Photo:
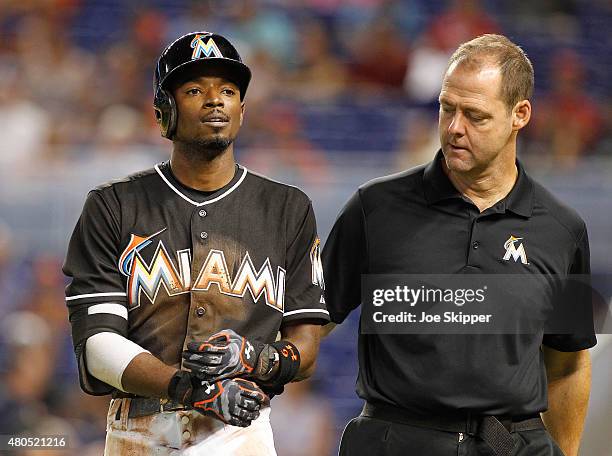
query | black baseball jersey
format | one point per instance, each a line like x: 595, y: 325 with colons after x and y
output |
x: 163, y: 264
x: 416, y: 222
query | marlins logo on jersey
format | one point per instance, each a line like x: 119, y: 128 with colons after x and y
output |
x: 317, y: 266
x: 514, y: 252
x: 202, y: 49
x: 161, y: 271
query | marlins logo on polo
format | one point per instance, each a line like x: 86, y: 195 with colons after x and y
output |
x: 513, y: 251
x: 204, y: 50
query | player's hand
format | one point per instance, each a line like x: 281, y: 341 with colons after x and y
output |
x: 225, y: 354
x: 233, y: 401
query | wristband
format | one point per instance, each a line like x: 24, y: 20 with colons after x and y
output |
x: 288, y: 363
x: 180, y: 388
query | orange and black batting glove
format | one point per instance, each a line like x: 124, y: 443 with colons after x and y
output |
x: 234, y: 401
x: 225, y: 354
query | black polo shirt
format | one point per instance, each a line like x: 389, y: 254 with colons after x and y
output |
x: 416, y: 222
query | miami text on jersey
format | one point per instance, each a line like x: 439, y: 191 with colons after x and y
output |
x: 149, y: 278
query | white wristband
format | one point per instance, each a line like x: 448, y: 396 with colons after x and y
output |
x: 107, y: 355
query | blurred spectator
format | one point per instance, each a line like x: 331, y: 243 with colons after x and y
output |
x: 120, y: 126
x: 255, y: 25
x: 46, y: 292
x: 12, y: 275
x: 55, y: 72
x: 380, y: 56
x: 202, y: 15
x: 408, y: 16
x: 428, y: 64
x: 148, y: 33
x: 44, y: 297
x: 281, y: 148
x: 25, y: 125
x: 27, y: 370
x: 319, y: 75
x: 419, y: 142
x: 86, y: 413
x: 124, y: 73
x: 302, y: 422
x: 267, y: 82
x: 567, y: 123
x: 464, y: 20
x: 27, y: 387
x: 554, y: 19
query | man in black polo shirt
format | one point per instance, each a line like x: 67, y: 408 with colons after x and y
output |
x: 473, y: 209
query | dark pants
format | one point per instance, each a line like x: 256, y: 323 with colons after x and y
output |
x: 373, y: 437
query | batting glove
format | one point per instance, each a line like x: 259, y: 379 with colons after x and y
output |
x: 233, y: 401
x: 225, y: 354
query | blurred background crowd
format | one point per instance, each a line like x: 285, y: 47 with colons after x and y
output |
x: 342, y: 91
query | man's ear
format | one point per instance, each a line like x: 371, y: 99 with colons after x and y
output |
x: 242, y: 108
x: 521, y: 113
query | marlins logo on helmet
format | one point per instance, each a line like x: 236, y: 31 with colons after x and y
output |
x: 205, y: 49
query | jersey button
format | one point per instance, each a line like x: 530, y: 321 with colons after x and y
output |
x: 200, y: 311
x: 185, y: 419
x: 186, y: 435
x: 202, y: 213
x: 203, y: 234
x: 475, y: 245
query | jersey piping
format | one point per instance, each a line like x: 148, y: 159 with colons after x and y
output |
x: 213, y: 200
x: 293, y: 312
x: 94, y: 295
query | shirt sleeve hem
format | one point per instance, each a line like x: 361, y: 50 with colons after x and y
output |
x: 320, y: 316
x: 572, y: 347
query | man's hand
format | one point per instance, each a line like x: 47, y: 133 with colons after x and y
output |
x: 233, y: 401
x: 225, y: 354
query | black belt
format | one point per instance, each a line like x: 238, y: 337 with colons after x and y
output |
x: 493, y: 430
x: 145, y: 406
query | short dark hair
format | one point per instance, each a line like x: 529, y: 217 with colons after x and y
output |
x: 514, y: 65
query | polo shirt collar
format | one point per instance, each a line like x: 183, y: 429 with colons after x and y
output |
x: 437, y: 187
x: 520, y: 199
x: 436, y: 183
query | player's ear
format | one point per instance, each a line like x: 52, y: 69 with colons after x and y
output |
x: 521, y: 113
x: 242, y: 108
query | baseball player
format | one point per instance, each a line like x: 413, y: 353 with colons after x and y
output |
x: 183, y: 276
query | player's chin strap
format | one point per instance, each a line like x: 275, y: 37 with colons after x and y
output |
x: 278, y: 364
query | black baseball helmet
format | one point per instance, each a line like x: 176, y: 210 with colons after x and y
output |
x: 196, y: 48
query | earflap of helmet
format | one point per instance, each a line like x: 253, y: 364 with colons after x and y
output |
x: 165, y: 112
